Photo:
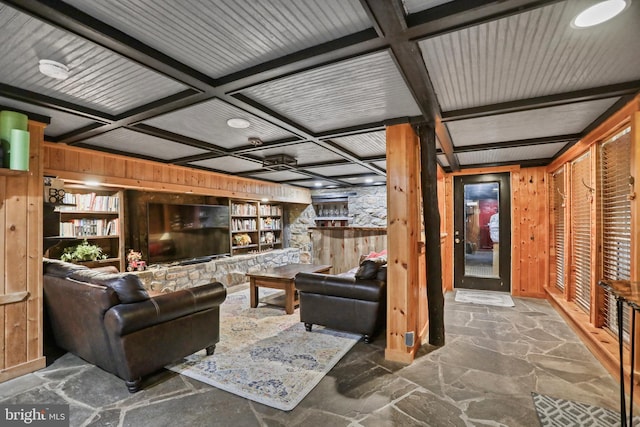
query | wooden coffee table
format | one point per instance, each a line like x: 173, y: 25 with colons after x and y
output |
x: 282, y: 278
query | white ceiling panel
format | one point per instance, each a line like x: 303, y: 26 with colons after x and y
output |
x: 442, y: 159
x: 346, y: 169
x: 367, y: 180
x: 279, y: 176
x: 511, y: 154
x: 314, y: 183
x: 222, y: 37
x: 413, y: 6
x: 532, y: 54
x: 365, y: 145
x: 61, y: 122
x: 99, y: 79
x: 228, y: 164
x: 561, y: 120
x: 207, y: 121
x: 361, y: 90
x: 303, y: 153
x: 138, y: 143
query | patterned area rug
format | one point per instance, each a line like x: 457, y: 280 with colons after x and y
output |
x: 554, y: 412
x: 265, y: 355
x: 499, y: 299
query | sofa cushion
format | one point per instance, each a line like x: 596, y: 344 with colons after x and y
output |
x: 57, y: 268
x: 128, y: 287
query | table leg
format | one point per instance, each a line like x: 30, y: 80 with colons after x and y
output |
x: 623, y: 409
x: 289, y: 295
x: 253, y: 293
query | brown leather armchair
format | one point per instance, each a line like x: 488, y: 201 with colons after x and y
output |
x: 343, y: 302
x: 109, y: 320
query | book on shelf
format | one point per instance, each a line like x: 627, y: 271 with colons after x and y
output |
x: 89, y: 227
x: 246, y: 209
x: 89, y: 202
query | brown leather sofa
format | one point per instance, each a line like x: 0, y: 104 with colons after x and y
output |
x: 344, y: 302
x: 110, y: 321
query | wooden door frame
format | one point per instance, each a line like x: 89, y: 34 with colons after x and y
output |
x: 504, y: 180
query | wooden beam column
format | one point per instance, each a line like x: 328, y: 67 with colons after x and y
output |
x: 431, y: 215
x: 404, y: 226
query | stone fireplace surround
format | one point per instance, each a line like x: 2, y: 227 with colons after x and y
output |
x: 230, y: 271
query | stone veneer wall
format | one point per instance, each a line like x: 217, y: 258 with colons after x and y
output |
x: 367, y: 208
x: 229, y: 271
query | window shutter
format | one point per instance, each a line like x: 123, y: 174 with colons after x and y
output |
x: 558, y: 200
x: 581, y: 230
x: 615, y: 167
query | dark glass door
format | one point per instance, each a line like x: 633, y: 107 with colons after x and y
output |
x: 482, y: 232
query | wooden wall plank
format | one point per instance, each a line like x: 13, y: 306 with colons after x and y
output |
x: 70, y: 163
x: 34, y: 246
x: 16, y: 230
x: 3, y: 275
x: 342, y: 246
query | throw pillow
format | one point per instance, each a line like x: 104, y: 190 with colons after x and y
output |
x: 369, y: 268
x: 127, y: 286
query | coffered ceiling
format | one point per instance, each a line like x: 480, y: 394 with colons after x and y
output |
x: 503, y: 82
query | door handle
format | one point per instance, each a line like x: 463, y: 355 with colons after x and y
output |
x: 457, y: 240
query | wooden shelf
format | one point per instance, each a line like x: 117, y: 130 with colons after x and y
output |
x: 12, y: 172
x: 76, y: 212
x: 244, y: 231
x: 253, y: 245
x: 110, y: 236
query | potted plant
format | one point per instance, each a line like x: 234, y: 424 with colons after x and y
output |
x: 83, y: 252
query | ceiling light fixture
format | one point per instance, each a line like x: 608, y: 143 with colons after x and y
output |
x: 599, y: 13
x: 317, y: 184
x: 279, y: 162
x: 53, y: 69
x: 368, y: 180
x: 255, y: 141
x: 238, y: 123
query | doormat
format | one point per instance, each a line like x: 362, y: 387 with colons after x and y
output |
x: 266, y: 355
x: 499, y: 299
x: 554, y: 412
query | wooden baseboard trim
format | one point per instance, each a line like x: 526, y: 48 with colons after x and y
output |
x: 601, y: 343
x: 22, y: 369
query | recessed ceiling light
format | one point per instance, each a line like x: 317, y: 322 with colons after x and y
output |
x: 53, y: 69
x: 317, y: 184
x: 368, y: 180
x: 599, y: 13
x: 238, y: 123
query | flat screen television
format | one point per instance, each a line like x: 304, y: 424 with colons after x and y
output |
x: 182, y: 232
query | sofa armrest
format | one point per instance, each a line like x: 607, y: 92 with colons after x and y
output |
x: 123, y: 319
x: 340, y: 286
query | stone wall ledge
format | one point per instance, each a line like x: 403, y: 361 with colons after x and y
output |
x: 230, y: 271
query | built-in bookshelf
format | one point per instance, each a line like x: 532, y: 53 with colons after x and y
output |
x: 87, y: 214
x: 255, y: 227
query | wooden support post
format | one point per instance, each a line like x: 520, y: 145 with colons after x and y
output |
x: 431, y: 217
x: 404, y: 298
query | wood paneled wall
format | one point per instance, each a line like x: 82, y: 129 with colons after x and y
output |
x: 21, y: 270
x: 530, y: 236
x: 79, y: 165
x: 529, y: 229
x: 342, y: 247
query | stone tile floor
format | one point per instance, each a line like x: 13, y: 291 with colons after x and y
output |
x: 493, y: 359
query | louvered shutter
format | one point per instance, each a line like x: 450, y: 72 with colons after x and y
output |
x: 558, y: 200
x: 581, y: 198
x: 615, y: 167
